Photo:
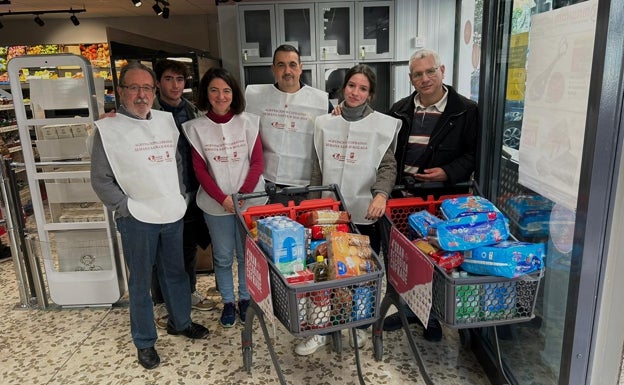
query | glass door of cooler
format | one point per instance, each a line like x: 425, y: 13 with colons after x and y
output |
x: 335, y: 25
x: 297, y: 27
x: 75, y: 239
x: 375, y: 32
x: 257, y: 34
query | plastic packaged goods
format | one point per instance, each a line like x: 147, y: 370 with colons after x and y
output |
x: 342, y: 305
x: 350, y: 254
x: 469, y: 231
x: 323, y: 217
x: 468, y: 303
x: 466, y: 205
x: 322, y: 231
x: 319, y: 303
x: 420, y: 222
x: 506, y: 259
x: 284, y: 242
x: 362, y: 303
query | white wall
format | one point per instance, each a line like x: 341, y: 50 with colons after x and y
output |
x: 193, y: 31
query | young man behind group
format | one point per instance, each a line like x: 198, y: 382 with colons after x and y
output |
x: 171, y: 78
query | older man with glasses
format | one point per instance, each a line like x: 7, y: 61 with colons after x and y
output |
x: 136, y: 172
x: 437, y: 142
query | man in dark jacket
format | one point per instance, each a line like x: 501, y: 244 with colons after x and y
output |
x: 171, y: 78
x: 438, y: 138
x: 437, y: 143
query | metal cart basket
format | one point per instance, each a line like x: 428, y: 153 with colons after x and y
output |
x: 458, y: 302
x: 353, y: 301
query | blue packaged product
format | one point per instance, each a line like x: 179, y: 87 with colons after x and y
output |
x: 531, y: 214
x: 499, y: 300
x: 470, y: 231
x: 284, y: 242
x: 420, y: 222
x: 466, y: 205
x: 506, y: 259
x: 363, y: 301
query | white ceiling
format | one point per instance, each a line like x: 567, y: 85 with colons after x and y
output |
x: 110, y: 8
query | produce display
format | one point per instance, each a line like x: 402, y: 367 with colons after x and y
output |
x: 97, y: 53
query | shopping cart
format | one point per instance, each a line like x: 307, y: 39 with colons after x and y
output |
x: 354, y: 301
x: 458, y: 302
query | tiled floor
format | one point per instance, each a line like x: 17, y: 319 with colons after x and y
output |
x: 93, y: 346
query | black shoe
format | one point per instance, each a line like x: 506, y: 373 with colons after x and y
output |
x: 393, y: 322
x: 433, y: 332
x: 194, y: 331
x: 243, y: 305
x: 148, y: 358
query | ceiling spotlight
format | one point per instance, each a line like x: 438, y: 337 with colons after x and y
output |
x: 165, y: 13
x: 157, y: 9
x: 137, y: 3
x: 74, y: 19
x: 39, y: 21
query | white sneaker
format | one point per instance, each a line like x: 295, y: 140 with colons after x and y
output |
x: 161, y: 316
x: 312, y: 344
x: 200, y: 303
x: 362, y: 338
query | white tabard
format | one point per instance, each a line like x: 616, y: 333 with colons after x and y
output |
x: 226, y: 149
x: 286, y: 128
x: 349, y: 154
x: 142, y: 155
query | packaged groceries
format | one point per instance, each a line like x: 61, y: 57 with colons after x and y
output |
x: 284, y: 242
x: 420, y: 222
x: 506, y: 259
x: 323, y: 217
x: 469, y: 231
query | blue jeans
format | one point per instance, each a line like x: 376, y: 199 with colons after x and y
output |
x: 227, y: 240
x: 146, y: 244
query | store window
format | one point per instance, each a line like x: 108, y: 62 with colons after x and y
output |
x: 540, y: 166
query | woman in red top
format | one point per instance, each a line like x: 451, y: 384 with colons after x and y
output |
x: 227, y: 159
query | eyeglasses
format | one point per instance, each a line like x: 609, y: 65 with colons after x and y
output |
x: 135, y: 88
x: 431, y: 73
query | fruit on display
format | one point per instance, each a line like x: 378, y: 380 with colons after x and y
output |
x: 42, y: 49
x: 97, y: 53
x: 16, y: 50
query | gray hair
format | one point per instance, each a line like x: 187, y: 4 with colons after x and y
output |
x: 423, y: 53
x: 135, y: 65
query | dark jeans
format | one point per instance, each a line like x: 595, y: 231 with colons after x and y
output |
x: 145, y: 245
x: 195, y: 234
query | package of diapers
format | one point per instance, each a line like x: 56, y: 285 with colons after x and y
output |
x: 420, y: 222
x: 507, y: 259
x: 466, y: 205
x: 469, y: 231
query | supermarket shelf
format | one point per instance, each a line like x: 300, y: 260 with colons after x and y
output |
x: 4, y: 107
x: 75, y: 226
x: 10, y: 128
x: 15, y: 149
